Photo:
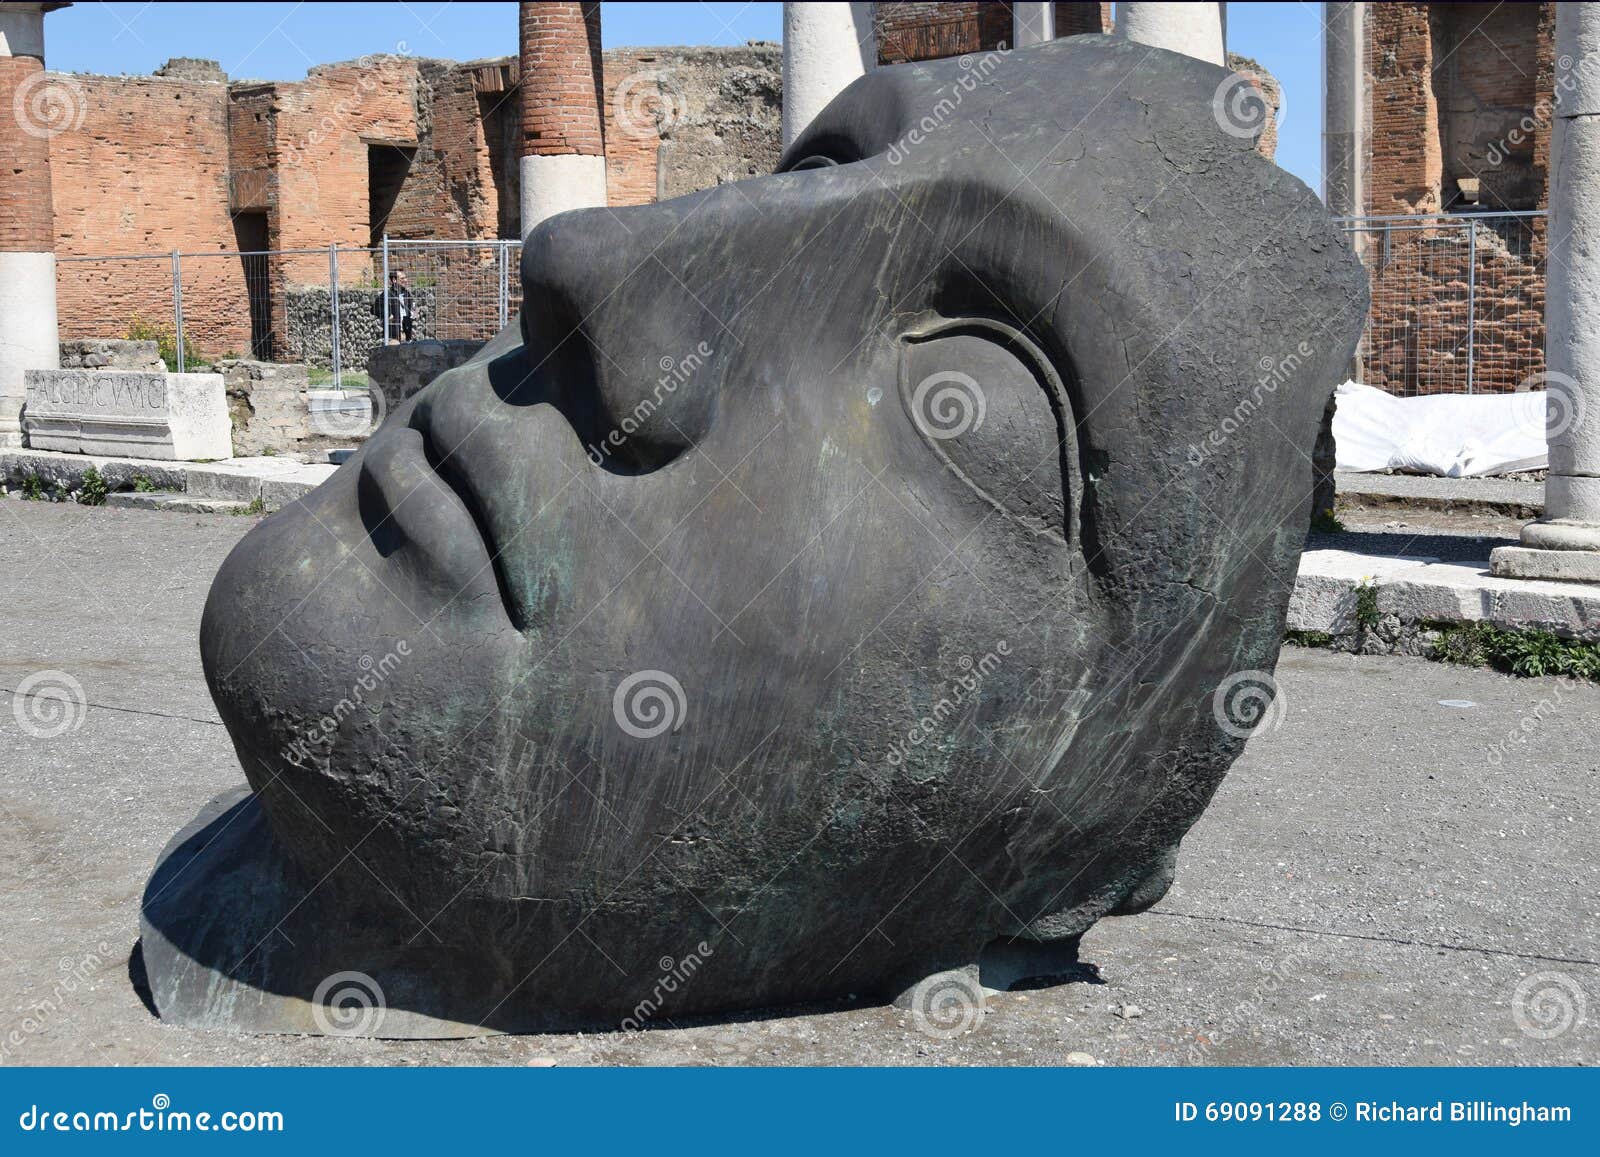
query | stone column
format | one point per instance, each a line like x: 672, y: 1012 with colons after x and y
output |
x: 1565, y: 543
x: 33, y: 108
x: 1344, y: 109
x: 1032, y: 24
x: 1192, y: 29
x: 1344, y: 152
x: 825, y: 47
x: 563, y: 110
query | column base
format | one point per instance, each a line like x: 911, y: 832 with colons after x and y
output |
x: 1562, y: 566
x: 559, y: 184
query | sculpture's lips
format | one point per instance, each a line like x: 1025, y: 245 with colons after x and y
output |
x: 422, y: 523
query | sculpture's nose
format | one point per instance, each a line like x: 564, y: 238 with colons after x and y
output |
x: 621, y: 325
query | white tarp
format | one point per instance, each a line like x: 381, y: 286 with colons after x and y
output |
x: 1451, y: 435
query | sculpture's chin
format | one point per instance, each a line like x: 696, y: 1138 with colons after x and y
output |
x: 340, y: 637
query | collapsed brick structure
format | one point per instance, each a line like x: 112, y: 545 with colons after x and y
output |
x: 414, y: 148
x: 228, y: 171
x: 1458, y: 103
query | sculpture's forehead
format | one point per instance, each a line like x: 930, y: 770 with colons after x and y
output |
x: 1006, y: 116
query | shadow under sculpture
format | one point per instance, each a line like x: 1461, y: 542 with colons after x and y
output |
x: 838, y: 578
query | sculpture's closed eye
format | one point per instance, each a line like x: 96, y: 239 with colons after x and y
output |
x: 989, y: 405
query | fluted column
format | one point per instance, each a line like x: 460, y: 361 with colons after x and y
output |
x: 1565, y: 543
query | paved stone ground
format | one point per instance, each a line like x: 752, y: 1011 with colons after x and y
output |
x: 1370, y: 885
x: 1507, y: 493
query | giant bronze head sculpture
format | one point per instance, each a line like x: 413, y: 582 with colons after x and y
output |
x: 834, y: 577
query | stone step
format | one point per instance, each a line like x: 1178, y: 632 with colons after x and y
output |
x: 177, y: 503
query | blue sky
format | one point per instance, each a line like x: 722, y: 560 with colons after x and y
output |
x: 279, y: 41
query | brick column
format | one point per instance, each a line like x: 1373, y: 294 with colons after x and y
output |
x: 563, y: 143
x: 1080, y: 19
x: 33, y: 107
x: 825, y: 47
x: 1565, y: 543
x: 1192, y: 29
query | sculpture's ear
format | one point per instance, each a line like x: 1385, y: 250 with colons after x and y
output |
x: 991, y: 406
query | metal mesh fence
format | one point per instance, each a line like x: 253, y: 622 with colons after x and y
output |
x: 1457, y: 302
x: 324, y: 308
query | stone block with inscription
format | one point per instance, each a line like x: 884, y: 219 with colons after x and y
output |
x: 128, y: 413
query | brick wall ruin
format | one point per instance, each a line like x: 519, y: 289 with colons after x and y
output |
x: 417, y: 148
x: 1455, y: 93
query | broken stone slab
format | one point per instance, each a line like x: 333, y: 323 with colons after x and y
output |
x: 136, y: 414
x: 268, y: 403
x: 341, y: 413
x: 400, y: 370
x: 111, y: 354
